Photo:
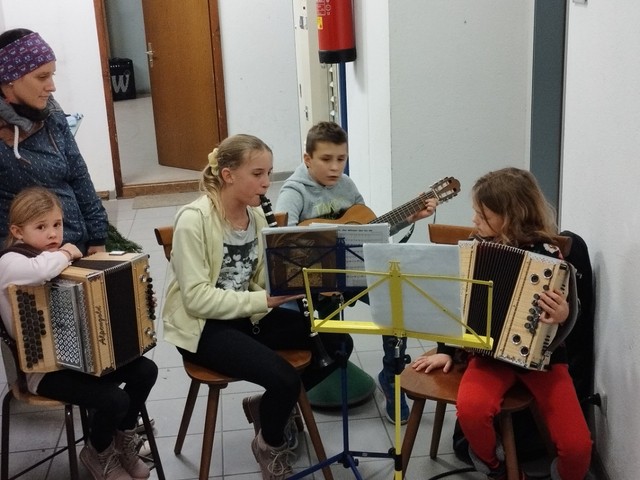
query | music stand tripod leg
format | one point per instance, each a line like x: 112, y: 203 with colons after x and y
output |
x: 399, y: 363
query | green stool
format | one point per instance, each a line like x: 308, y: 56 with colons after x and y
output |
x: 328, y: 393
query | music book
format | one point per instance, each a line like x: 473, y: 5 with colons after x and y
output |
x: 320, y: 246
x: 352, y: 237
x: 290, y: 249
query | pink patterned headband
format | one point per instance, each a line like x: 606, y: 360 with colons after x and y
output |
x: 23, y: 56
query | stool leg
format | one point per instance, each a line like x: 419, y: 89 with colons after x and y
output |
x: 84, y: 420
x: 186, y: 416
x: 509, y: 444
x: 410, y: 433
x: 438, y: 421
x: 314, y: 434
x: 209, y: 431
x: 157, y: 463
x: 71, y: 441
x: 4, y: 469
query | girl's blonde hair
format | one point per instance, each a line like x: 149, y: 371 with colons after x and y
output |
x: 28, y: 205
x: 231, y: 153
x: 516, y: 196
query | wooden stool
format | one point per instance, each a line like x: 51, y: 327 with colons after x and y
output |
x: 443, y: 388
x: 299, y: 359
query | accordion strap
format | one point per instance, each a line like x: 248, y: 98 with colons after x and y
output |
x: 23, y: 248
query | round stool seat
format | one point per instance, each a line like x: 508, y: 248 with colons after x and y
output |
x: 299, y: 359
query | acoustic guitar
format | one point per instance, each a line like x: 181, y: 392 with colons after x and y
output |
x: 360, y: 214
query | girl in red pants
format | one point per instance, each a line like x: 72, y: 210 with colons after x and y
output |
x: 509, y: 208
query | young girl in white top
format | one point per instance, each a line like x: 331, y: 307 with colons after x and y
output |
x: 34, y: 256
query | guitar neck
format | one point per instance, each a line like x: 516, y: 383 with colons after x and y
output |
x: 400, y: 214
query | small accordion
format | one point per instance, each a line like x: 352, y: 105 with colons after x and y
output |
x: 518, y: 278
x: 95, y: 317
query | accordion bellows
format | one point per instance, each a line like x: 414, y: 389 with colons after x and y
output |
x: 95, y: 317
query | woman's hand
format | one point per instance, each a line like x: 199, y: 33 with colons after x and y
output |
x: 429, y: 209
x: 273, y: 302
x: 555, y: 308
x: 432, y: 361
x: 95, y: 249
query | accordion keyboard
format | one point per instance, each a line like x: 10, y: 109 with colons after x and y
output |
x: 33, y: 327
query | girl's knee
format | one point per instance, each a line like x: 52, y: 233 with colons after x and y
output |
x: 117, y: 402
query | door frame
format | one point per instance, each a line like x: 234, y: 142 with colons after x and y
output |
x: 126, y: 191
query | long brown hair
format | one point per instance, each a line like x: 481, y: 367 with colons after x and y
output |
x: 516, y: 196
x: 28, y: 205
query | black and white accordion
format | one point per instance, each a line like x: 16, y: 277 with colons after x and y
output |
x: 519, y: 277
x: 95, y: 317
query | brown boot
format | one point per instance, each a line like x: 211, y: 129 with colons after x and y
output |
x: 251, y: 407
x: 275, y: 462
x: 127, y: 446
x: 104, y: 465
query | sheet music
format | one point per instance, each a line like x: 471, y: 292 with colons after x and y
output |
x: 354, y: 236
x: 289, y: 249
x: 419, y: 313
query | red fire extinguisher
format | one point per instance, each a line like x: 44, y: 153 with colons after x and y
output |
x: 336, y: 41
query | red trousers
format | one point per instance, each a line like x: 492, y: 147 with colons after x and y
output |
x: 482, y: 388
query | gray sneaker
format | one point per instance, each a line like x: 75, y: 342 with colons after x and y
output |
x: 275, y: 463
x: 127, y: 447
x: 104, y: 465
x: 291, y: 430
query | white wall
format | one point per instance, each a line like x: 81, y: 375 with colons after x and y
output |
x: 69, y: 27
x: 439, y: 89
x: 259, y: 62
x: 600, y: 174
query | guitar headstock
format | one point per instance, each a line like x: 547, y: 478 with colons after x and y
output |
x: 445, y: 189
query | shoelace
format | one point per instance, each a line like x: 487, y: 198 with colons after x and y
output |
x: 281, y: 462
x: 111, y: 463
x: 291, y: 432
x: 130, y: 446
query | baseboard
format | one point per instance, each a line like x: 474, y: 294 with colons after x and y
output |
x: 130, y: 191
x: 597, y: 467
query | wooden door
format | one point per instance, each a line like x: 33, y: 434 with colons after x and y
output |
x: 185, y: 69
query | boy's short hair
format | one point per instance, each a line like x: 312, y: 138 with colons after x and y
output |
x: 324, y: 132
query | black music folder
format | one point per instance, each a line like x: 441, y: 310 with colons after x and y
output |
x: 320, y: 246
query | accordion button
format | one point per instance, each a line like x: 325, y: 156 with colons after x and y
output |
x: 548, y: 273
x: 524, y: 351
x: 534, y: 278
x: 516, y: 339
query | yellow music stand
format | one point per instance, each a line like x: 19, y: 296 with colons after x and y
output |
x: 395, y: 279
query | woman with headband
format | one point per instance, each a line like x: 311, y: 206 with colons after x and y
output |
x: 36, y: 143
